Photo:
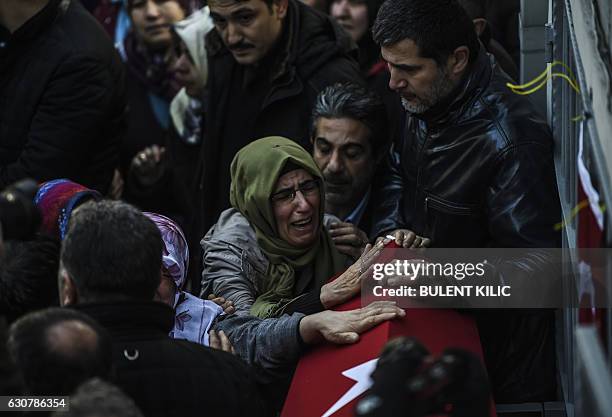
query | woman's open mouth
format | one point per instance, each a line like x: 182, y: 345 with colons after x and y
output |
x: 302, y: 224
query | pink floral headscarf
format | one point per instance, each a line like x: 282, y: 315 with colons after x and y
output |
x: 175, y: 257
x: 193, y: 316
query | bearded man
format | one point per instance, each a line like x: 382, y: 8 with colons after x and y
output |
x: 474, y: 169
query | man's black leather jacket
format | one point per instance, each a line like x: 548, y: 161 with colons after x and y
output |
x: 477, y: 172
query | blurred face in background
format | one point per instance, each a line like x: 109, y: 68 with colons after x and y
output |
x: 185, y: 71
x: 249, y: 29
x: 352, y: 15
x: 153, y: 20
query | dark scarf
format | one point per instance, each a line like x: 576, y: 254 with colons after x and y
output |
x: 150, y: 68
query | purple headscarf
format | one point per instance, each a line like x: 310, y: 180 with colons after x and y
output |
x: 193, y: 316
x: 176, y: 252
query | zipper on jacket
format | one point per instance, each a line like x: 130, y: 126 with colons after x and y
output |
x: 420, y: 159
x: 418, y: 176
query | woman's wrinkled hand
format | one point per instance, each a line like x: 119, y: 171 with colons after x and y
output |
x: 343, y: 327
x: 347, y: 285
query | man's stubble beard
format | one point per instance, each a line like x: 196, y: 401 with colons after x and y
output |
x: 439, y: 90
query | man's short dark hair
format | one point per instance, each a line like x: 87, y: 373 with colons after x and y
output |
x: 352, y: 101
x: 97, y: 398
x: 268, y: 3
x: 57, y: 349
x: 438, y: 27
x: 112, y: 251
x: 28, y: 276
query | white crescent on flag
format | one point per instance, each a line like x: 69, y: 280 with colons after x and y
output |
x: 361, y: 375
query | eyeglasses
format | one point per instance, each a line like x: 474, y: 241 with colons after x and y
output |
x: 307, y: 188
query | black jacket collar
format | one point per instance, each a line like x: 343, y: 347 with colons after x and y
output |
x: 131, y: 318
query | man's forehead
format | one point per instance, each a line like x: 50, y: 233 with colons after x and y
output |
x: 343, y: 131
x: 402, y: 52
x: 231, y: 6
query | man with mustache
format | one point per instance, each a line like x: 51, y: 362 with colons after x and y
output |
x: 349, y: 139
x: 268, y: 60
x: 474, y: 169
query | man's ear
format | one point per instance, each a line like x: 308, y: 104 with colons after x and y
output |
x: 281, y: 7
x: 480, y: 24
x: 458, y: 61
x: 68, y: 294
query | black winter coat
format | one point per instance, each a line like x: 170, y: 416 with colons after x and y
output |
x: 475, y: 172
x: 478, y: 171
x: 61, y: 99
x: 168, y: 377
x: 313, y: 54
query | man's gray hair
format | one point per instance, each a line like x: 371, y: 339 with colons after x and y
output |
x: 353, y: 101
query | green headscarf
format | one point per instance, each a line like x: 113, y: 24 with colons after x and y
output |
x: 255, y: 171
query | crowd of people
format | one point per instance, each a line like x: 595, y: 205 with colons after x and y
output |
x: 216, y: 177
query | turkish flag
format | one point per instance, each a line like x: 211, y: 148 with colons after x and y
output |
x: 330, y: 378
